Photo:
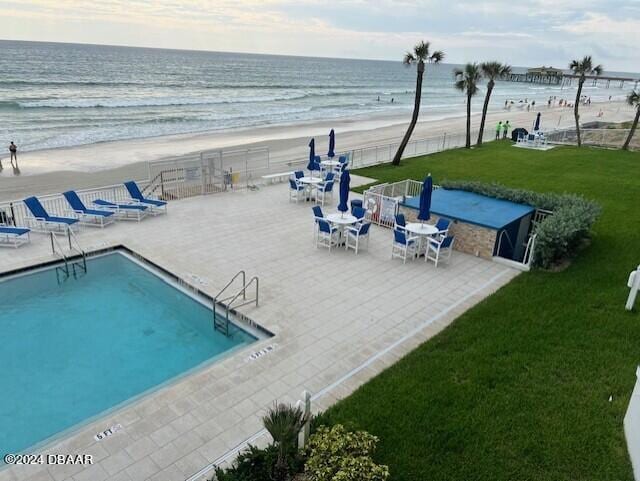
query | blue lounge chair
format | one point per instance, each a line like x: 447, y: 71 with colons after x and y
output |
x: 40, y: 220
x: 13, y: 236
x: 157, y: 206
x: 98, y: 218
x: 124, y: 211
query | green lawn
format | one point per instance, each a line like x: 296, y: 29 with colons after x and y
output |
x: 518, y: 387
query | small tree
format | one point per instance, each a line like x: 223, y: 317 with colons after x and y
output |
x: 491, y: 71
x: 633, y: 99
x: 284, y: 423
x: 467, y: 81
x: 420, y: 55
x: 582, y: 68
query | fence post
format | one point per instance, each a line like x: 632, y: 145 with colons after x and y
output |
x: 444, y: 141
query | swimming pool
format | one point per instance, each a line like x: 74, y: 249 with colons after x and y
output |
x: 70, y: 351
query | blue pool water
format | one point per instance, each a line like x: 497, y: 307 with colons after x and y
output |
x: 71, y: 351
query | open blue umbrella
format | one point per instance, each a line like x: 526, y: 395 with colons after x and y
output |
x: 537, y: 124
x: 313, y: 165
x: 345, y: 180
x: 425, y: 199
x: 332, y: 144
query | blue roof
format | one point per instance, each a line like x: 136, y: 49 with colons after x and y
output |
x: 473, y: 208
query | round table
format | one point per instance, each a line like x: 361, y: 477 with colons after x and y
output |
x: 330, y: 163
x: 341, y: 219
x: 310, y: 183
x: 421, y: 229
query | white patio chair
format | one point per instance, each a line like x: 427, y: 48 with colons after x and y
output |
x: 327, y: 235
x: 439, y: 249
x: 355, y: 236
x: 403, y: 246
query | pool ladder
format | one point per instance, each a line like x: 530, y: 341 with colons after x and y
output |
x: 70, y: 265
x: 221, y: 322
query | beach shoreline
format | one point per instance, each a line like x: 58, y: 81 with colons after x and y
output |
x: 86, y: 166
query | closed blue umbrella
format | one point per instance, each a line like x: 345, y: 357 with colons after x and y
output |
x: 345, y: 180
x: 537, y: 124
x: 313, y: 165
x: 425, y: 199
x: 332, y: 144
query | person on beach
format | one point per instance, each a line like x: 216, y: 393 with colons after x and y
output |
x: 498, y: 128
x: 13, y: 149
x: 505, y: 129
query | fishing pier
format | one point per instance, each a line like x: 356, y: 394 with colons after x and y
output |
x: 553, y: 76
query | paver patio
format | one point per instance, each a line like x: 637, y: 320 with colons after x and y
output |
x: 338, y: 319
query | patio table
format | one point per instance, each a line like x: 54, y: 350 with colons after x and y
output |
x: 341, y: 221
x: 310, y: 183
x: 422, y: 231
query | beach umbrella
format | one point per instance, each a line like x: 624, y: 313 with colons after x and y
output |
x: 345, y: 180
x: 313, y: 165
x: 332, y: 144
x: 425, y: 199
x: 537, y: 124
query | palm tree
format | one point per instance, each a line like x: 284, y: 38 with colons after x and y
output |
x: 420, y: 55
x: 284, y: 423
x: 633, y: 99
x: 582, y: 68
x: 467, y: 81
x: 491, y: 71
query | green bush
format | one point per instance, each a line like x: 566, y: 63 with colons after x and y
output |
x: 252, y: 464
x: 558, y: 235
x: 336, y: 454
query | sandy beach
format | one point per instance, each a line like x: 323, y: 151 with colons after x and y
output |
x: 56, y: 170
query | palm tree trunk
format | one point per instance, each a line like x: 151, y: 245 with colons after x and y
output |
x: 633, y: 130
x: 468, y: 143
x: 414, y: 117
x: 575, y: 109
x: 484, y: 112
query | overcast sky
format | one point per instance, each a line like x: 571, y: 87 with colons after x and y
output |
x: 529, y: 32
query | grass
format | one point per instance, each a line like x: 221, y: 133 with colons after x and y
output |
x: 518, y: 387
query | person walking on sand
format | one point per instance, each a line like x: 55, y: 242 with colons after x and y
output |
x: 505, y: 129
x: 498, y: 128
x: 13, y: 149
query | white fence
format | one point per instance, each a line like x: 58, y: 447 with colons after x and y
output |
x: 207, y: 172
x: 612, y: 138
x: 382, y: 200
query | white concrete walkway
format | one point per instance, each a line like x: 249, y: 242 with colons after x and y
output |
x: 338, y: 319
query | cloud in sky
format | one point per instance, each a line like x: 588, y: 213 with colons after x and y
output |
x: 531, y: 33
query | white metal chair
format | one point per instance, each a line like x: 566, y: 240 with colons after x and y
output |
x: 327, y: 235
x: 403, y: 246
x: 323, y: 190
x: 439, y: 249
x: 296, y: 190
x: 356, y: 235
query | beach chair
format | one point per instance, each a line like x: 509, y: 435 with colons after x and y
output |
x: 156, y: 206
x: 13, y: 236
x: 99, y: 218
x: 403, y: 245
x: 355, y: 236
x: 328, y: 235
x: 439, y: 248
x: 124, y: 211
x: 41, y: 221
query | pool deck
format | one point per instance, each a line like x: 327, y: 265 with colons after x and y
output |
x: 338, y: 319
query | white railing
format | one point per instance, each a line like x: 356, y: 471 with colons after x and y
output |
x: 613, y: 138
x: 56, y: 205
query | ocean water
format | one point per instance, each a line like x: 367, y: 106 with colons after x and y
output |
x: 60, y: 95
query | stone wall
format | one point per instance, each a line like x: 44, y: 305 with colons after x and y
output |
x: 470, y: 238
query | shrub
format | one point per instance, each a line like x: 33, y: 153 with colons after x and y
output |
x: 252, y: 464
x: 284, y: 423
x: 558, y: 235
x: 336, y: 454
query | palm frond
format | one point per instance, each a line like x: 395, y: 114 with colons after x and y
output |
x: 436, y: 57
x: 633, y: 98
x: 421, y: 50
x: 408, y: 59
x: 597, y: 70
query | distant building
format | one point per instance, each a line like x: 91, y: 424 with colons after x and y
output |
x: 546, y: 71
